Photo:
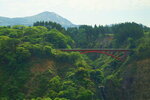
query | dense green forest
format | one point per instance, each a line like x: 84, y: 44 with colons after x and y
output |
x: 33, y: 68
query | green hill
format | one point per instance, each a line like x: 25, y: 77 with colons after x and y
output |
x: 33, y: 68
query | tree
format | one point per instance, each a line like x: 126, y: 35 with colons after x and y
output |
x: 124, y: 31
x: 84, y: 94
x: 22, y: 54
x: 55, y: 37
x: 7, y: 51
x: 50, y: 25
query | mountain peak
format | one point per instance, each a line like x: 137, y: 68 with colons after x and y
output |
x: 46, y: 12
x: 44, y: 16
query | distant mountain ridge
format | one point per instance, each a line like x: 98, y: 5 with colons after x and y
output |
x: 28, y: 21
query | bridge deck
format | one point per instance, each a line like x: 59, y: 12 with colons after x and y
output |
x: 94, y: 49
x: 102, y: 51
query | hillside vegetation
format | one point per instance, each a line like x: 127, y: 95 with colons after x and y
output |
x: 33, y: 68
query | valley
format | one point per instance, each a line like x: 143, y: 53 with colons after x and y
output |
x: 33, y: 66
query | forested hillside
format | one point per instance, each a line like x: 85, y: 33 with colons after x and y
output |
x: 32, y: 67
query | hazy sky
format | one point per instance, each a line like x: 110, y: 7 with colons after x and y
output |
x: 82, y: 11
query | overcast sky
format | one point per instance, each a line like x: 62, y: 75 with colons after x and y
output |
x: 82, y: 11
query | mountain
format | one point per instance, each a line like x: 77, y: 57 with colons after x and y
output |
x: 44, y: 16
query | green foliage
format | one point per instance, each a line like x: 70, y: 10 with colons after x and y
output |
x: 85, y: 36
x: 7, y: 51
x: 97, y: 75
x: 61, y: 99
x: 55, y: 84
x: 50, y: 25
x: 33, y: 68
x: 56, y: 38
x: 143, y: 50
x: 18, y: 45
x: 84, y: 94
x: 124, y: 31
x: 22, y: 53
x: 18, y: 27
x: 39, y: 98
